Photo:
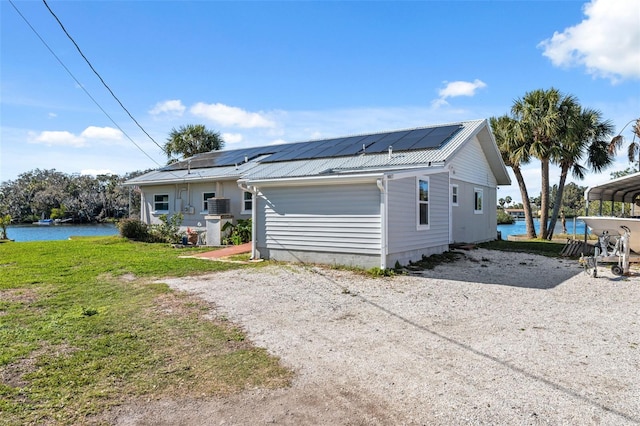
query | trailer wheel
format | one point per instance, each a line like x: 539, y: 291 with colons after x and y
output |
x: 617, y: 270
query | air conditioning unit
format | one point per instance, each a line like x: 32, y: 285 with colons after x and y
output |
x: 219, y: 206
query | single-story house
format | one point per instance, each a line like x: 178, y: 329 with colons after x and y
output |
x: 369, y: 200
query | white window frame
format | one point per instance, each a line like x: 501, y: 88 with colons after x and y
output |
x: 156, y: 210
x: 476, y: 192
x: 247, y: 201
x: 205, y: 206
x: 455, y: 194
x: 419, y: 202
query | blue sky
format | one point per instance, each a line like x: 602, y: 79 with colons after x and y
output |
x: 272, y: 72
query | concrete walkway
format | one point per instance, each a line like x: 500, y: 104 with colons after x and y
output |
x: 225, y: 252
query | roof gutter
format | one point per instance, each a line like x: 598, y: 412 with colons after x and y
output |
x: 253, y: 191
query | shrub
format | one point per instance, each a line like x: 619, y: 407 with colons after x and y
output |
x: 167, y: 231
x: 240, y: 232
x: 134, y: 229
x: 505, y: 218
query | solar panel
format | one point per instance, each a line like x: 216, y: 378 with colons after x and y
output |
x: 383, y: 144
x: 427, y: 138
x: 410, y: 139
x: 437, y: 137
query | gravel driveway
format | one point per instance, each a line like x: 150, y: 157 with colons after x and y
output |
x: 494, y: 338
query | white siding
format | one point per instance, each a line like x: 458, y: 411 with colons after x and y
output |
x: 405, y: 241
x: 471, y: 165
x: 333, y: 218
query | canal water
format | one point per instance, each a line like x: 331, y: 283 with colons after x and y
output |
x: 519, y: 228
x: 22, y: 233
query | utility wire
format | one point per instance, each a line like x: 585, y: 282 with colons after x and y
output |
x: 98, y: 75
x: 80, y: 84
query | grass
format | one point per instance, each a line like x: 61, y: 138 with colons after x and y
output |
x: 538, y: 246
x: 85, y: 325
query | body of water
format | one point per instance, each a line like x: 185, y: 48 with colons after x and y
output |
x: 519, y: 228
x: 21, y: 233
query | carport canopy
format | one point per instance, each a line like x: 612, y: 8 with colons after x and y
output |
x: 624, y: 189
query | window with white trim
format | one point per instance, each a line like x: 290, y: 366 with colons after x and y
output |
x: 205, y: 197
x: 423, y: 203
x: 161, y: 202
x: 247, y: 202
x: 477, y: 206
x: 454, y: 194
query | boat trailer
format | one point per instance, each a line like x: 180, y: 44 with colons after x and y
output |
x: 608, y: 251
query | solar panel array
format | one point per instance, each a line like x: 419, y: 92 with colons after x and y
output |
x: 403, y: 140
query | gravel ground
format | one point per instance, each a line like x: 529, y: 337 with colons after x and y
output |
x: 493, y: 338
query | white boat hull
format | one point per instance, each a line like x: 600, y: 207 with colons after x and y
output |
x: 613, y: 226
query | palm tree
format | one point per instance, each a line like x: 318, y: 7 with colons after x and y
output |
x: 514, y: 154
x: 190, y: 140
x: 634, y: 147
x: 541, y: 118
x: 585, y: 135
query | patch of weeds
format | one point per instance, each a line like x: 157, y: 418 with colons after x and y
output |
x: 379, y: 272
x: 430, y: 262
x: 89, y: 312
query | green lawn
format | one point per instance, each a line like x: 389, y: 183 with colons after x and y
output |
x: 84, y: 326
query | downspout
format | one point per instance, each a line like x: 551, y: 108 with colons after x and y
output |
x: 384, y: 248
x: 253, y: 190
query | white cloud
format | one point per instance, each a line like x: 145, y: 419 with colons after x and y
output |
x: 171, y: 107
x: 57, y: 138
x: 606, y: 42
x: 232, y: 138
x: 228, y: 116
x: 96, y: 172
x: 93, y: 132
x: 457, y: 88
x: 461, y: 88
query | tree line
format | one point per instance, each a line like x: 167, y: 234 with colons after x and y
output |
x: 52, y: 194
x: 554, y: 128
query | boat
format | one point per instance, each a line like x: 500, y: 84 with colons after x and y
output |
x: 615, y: 226
x: 45, y: 222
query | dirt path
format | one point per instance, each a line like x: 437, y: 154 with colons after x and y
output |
x: 494, y: 339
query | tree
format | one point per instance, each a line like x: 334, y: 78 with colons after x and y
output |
x: 633, y: 150
x: 514, y: 154
x: 584, y: 135
x: 192, y: 139
x: 540, y: 123
x: 508, y: 200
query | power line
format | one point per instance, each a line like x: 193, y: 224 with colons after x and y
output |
x: 98, y: 75
x: 81, y: 86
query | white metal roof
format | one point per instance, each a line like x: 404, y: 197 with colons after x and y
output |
x: 625, y: 189
x: 256, y: 169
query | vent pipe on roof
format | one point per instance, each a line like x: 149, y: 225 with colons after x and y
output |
x: 189, y: 167
x: 390, y: 151
x: 246, y: 159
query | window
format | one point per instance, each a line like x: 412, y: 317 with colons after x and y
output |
x: 205, y: 197
x: 454, y: 194
x: 161, y: 202
x: 423, y: 203
x: 478, y: 201
x: 247, y: 202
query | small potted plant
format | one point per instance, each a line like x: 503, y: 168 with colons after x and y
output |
x: 192, y: 236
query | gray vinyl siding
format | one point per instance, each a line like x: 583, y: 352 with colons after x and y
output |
x: 321, y: 219
x: 405, y: 241
x: 467, y: 226
x: 471, y: 165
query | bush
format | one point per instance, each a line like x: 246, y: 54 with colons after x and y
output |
x: 505, y: 218
x: 240, y: 233
x: 167, y: 231
x: 134, y: 229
